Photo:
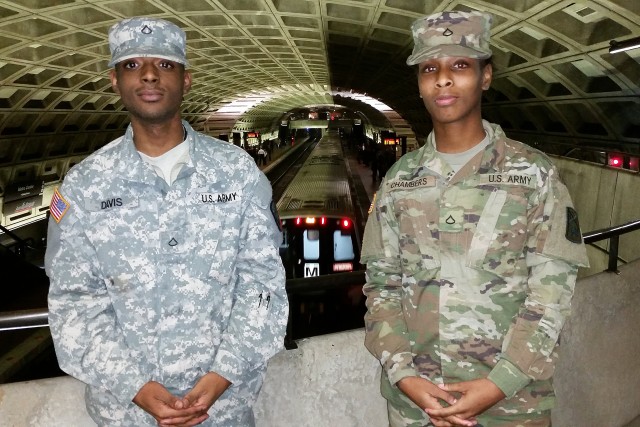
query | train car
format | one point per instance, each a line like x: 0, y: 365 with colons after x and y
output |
x: 317, y: 214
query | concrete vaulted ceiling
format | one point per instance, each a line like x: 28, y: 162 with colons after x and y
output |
x: 555, y: 84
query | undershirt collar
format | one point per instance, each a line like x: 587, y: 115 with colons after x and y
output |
x: 169, y: 164
x: 458, y: 160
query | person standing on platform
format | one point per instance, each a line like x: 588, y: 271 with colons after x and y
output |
x: 167, y: 292
x: 472, y: 251
x: 262, y: 156
x: 269, y: 150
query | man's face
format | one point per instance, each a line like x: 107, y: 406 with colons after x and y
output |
x: 451, y: 88
x: 151, y: 89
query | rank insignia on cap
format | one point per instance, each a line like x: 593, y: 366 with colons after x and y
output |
x: 147, y: 37
x: 58, y: 206
x: 573, y: 233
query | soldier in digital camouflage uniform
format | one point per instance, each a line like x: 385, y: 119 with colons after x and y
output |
x: 472, y: 250
x: 167, y: 289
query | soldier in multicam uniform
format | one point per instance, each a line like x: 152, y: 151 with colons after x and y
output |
x: 167, y: 289
x: 472, y: 252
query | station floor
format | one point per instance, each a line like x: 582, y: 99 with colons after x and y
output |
x: 362, y: 171
x: 276, y: 154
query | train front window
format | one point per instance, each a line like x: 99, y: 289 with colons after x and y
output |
x: 342, y: 246
x: 311, y: 245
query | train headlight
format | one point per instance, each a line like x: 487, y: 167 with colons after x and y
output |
x: 311, y: 220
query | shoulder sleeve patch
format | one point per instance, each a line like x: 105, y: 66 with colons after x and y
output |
x: 572, y: 232
x: 372, y: 245
x: 276, y: 217
x: 564, y: 239
x: 262, y: 192
x: 58, y: 206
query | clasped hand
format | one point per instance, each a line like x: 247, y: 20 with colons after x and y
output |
x: 188, y: 411
x: 475, y: 397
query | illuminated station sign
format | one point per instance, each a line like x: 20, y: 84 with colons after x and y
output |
x: 253, y: 139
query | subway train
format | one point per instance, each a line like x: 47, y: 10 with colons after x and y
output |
x: 319, y: 227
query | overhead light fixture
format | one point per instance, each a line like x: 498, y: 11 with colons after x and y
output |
x: 615, y: 46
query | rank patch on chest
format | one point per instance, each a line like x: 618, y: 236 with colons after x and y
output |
x: 230, y: 197
x: 509, y: 179
x: 451, y: 220
x: 401, y: 184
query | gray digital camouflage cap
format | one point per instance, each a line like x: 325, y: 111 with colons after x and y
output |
x: 147, y: 37
x: 451, y: 34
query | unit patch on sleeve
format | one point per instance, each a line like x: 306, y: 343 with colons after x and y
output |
x: 572, y: 232
x: 373, y: 203
x: 59, y: 206
x: 276, y: 217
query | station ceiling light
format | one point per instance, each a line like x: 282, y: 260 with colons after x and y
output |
x: 615, y: 46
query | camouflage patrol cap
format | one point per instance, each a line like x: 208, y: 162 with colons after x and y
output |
x: 147, y: 37
x: 451, y: 34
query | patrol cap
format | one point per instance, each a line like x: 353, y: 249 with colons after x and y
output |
x: 147, y: 37
x: 451, y: 34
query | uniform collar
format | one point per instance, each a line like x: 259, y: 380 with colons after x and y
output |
x: 133, y: 168
x: 428, y: 162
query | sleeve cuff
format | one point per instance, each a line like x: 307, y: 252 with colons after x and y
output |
x: 129, y: 386
x: 508, y: 378
x: 399, y: 366
x: 229, y: 366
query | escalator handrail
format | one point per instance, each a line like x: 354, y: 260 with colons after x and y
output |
x: 19, y: 240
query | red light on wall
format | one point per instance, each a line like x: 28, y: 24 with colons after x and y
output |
x: 615, y: 160
x: 323, y: 221
x: 298, y: 221
x: 345, y: 222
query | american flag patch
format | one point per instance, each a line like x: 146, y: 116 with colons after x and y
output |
x: 59, y: 206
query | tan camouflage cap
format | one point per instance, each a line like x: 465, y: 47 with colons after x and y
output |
x: 451, y: 34
x: 147, y: 37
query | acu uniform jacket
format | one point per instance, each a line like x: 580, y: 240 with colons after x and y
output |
x: 165, y: 283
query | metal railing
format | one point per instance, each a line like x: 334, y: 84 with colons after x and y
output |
x: 36, y: 318
x: 613, y: 234
x: 21, y: 245
x: 24, y: 319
